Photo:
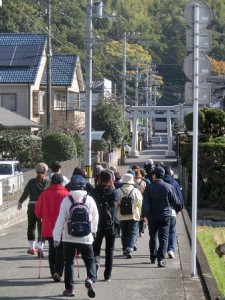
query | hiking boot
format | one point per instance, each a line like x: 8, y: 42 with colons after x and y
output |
x: 153, y: 260
x: 89, y: 284
x: 162, y: 263
x: 40, y: 253
x: 30, y: 251
x: 171, y: 254
x: 107, y: 278
x: 69, y: 293
x: 56, y: 277
x: 124, y: 252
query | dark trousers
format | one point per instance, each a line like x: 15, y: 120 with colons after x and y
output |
x: 158, y: 229
x: 33, y: 221
x: 55, y: 257
x: 109, y: 249
x: 87, y: 254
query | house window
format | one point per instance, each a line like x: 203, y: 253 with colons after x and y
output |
x: 41, y: 102
x: 73, y: 100
x: 60, y: 100
x: 8, y: 101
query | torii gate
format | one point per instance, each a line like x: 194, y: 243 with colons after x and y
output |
x: 137, y: 112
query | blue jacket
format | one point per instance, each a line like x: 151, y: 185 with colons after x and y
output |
x: 158, y: 199
x: 169, y: 179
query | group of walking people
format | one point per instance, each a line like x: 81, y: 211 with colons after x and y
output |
x: 119, y: 205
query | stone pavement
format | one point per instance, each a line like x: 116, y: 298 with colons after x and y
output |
x: 131, y: 278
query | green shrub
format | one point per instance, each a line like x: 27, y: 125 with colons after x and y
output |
x: 19, y: 145
x: 101, y: 145
x: 58, y: 146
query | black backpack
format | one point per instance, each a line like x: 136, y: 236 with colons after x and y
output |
x: 79, y: 224
x: 106, y: 217
x: 126, y: 204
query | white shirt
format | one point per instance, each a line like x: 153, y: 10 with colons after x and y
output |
x: 61, y: 228
x: 65, y: 179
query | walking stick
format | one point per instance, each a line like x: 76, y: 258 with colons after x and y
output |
x: 40, y: 262
x: 78, y: 269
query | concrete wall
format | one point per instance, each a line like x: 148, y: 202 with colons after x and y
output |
x: 9, y: 214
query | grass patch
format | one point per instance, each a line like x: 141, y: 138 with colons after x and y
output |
x: 210, y: 238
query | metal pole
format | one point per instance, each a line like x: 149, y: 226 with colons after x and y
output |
x: 195, y: 139
x: 49, y: 73
x: 124, y: 69
x: 147, y: 104
x: 88, y: 92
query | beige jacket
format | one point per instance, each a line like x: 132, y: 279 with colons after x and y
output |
x: 136, y: 205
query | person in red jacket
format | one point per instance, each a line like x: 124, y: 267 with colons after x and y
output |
x: 47, y: 208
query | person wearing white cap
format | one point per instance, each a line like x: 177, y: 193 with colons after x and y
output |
x: 129, y: 222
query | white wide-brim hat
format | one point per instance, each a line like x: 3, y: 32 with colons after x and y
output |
x: 128, y: 179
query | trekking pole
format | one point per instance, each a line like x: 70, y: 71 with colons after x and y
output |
x: 40, y: 261
x: 78, y: 269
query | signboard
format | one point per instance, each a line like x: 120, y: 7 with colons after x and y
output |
x: 204, y: 93
x: 204, y: 67
x: 205, y: 40
x: 204, y: 13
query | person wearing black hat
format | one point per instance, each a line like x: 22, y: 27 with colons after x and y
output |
x: 83, y: 244
x: 47, y: 209
x: 82, y: 172
x: 159, y: 198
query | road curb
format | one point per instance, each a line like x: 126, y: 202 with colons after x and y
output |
x: 208, y: 281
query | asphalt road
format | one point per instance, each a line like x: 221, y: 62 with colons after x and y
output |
x: 132, y: 279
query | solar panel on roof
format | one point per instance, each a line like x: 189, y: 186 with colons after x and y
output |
x: 25, y: 55
x: 6, y: 54
x: 18, y: 55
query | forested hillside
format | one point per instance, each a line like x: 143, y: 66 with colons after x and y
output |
x: 156, y: 36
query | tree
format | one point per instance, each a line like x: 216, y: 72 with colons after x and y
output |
x: 58, y: 146
x: 109, y: 117
x: 22, y: 147
x: 211, y: 122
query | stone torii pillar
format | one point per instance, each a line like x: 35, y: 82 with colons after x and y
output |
x: 169, y: 152
x: 134, y: 152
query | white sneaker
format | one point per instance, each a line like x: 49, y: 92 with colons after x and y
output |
x: 171, y: 254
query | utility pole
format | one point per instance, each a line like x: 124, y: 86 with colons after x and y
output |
x: 137, y: 82
x: 49, y: 72
x: 124, y: 69
x: 88, y: 90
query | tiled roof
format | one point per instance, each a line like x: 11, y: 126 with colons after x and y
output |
x: 22, y: 74
x: 9, y: 119
x: 63, y: 68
